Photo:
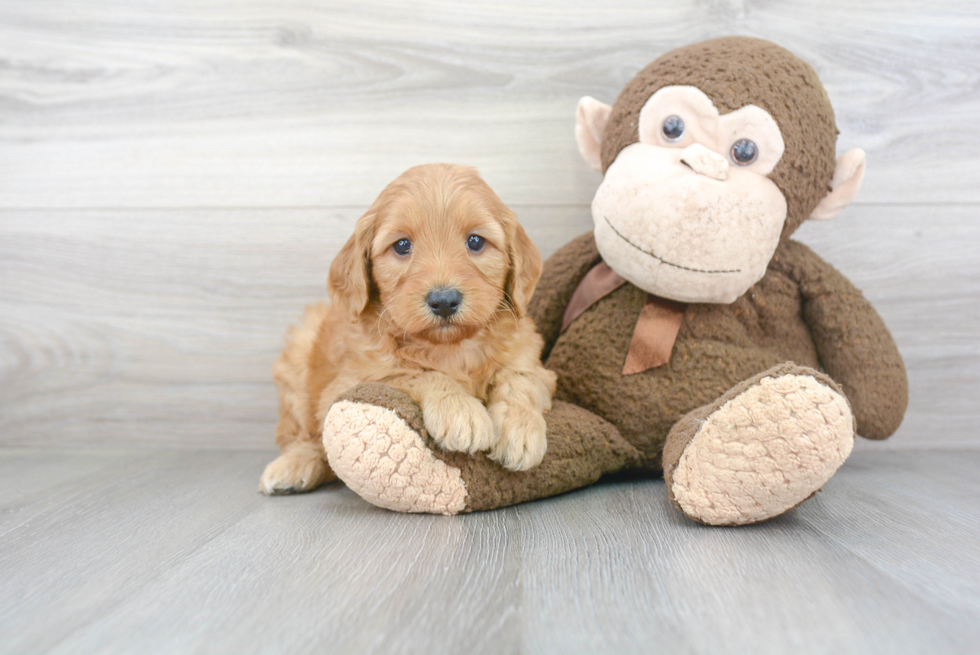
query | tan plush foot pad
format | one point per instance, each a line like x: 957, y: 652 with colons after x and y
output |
x: 387, y: 463
x: 764, y: 451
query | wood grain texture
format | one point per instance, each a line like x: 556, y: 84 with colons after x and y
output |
x: 175, y: 178
x: 311, y: 103
x: 175, y: 552
x: 160, y: 327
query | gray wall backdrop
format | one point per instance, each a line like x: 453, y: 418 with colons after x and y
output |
x: 176, y: 176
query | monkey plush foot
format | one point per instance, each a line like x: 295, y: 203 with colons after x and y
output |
x: 762, y: 449
x: 376, y: 443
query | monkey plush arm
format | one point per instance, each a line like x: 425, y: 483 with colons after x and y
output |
x: 561, y: 276
x: 854, y: 346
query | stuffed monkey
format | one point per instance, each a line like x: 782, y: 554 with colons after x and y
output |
x: 690, y: 335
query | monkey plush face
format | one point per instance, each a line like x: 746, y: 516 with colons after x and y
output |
x: 676, y: 209
x: 712, y: 155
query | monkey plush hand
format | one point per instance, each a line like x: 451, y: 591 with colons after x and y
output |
x: 689, y: 333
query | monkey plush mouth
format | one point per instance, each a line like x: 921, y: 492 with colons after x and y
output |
x: 661, y: 259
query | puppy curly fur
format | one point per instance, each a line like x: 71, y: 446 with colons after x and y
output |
x: 476, y: 374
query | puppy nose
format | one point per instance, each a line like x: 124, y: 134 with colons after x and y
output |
x: 444, y: 301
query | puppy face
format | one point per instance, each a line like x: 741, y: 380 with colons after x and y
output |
x: 440, y: 254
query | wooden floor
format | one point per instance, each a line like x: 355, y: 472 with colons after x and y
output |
x: 175, y: 552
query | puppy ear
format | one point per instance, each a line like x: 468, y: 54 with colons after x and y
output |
x: 525, y: 264
x: 349, y: 282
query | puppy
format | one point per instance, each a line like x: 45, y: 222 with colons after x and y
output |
x: 428, y: 296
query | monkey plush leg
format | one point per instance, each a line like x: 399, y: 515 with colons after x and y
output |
x: 760, y: 450
x: 376, y: 443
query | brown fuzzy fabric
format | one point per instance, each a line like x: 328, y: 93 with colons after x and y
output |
x: 801, y: 311
x: 557, y: 285
x: 855, y: 347
x: 737, y: 71
x: 581, y: 448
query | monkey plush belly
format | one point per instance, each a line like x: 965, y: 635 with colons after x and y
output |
x: 717, y: 347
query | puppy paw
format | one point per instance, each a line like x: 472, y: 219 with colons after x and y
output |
x: 458, y: 422
x: 520, y: 441
x: 295, y: 471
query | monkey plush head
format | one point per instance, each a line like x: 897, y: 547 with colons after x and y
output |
x: 712, y: 155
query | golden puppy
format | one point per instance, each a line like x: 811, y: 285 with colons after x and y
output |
x: 429, y: 296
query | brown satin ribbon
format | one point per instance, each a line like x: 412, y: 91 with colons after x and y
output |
x: 654, y: 335
x: 656, y: 328
x: 598, y: 283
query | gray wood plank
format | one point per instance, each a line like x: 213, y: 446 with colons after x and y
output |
x: 885, y: 506
x: 330, y: 572
x: 322, y: 103
x: 187, y: 558
x: 31, y: 478
x: 618, y: 570
x: 79, y: 549
x: 160, y: 327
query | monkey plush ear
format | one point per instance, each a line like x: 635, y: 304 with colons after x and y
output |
x: 847, y: 180
x: 590, y: 122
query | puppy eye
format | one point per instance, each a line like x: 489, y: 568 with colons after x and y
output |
x: 402, y: 247
x: 673, y: 128
x: 744, y: 152
x: 476, y: 243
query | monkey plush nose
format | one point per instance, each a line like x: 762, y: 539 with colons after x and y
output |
x: 444, y: 301
x: 705, y: 161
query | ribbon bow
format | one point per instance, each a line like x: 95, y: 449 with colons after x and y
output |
x: 656, y: 328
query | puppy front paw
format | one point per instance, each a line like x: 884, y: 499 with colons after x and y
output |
x: 520, y: 440
x: 458, y: 422
x: 296, y: 471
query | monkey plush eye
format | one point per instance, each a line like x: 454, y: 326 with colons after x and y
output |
x: 402, y: 247
x: 475, y: 243
x: 673, y: 128
x: 744, y: 152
